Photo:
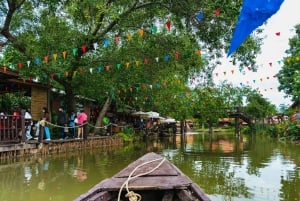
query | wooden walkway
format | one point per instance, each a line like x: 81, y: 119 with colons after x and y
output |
x: 33, y: 147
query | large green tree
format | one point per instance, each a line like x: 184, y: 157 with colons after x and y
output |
x: 289, y: 75
x: 97, y: 35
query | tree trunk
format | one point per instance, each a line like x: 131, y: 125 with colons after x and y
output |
x: 99, y: 122
x: 70, y: 99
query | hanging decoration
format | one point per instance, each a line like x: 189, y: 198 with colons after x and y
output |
x: 64, y: 54
x: 37, y: 61
x: 141, y: 32
x: 106, y: 43
x: 74, y: 50
x: 84, y: 49
x: 168, y: 24
x: 129, y: 37
x: 55, y: 57
x: 253, y: 14
x: 217, y: 12
x: 154, y: 29
x: 46, y: 59
x: 199, y: 16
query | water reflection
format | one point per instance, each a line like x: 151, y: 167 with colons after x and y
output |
x: 227, y: 168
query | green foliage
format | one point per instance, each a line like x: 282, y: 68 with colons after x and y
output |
x: 258, y: 107
x: 125, y: 137
x: 289, y: 75
x: 61, y: 25
x: 285, y: 131
x: 11, y: 101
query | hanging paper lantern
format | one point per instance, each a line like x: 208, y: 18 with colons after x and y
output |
x: 137, y: 63
x: 277, y: 33
x: 165, y: 84
x: 217, y: 74
x: 270, y: 64
x: 254, y: 81
x: 52, y: 76
x: 28, y: 63
x: 100, y: 69
x: 198, y: 52
x: 74, y: 73
x: 156, y: 59
x: 66, y: 73
x: 176, y: 55
x: 107, y: 67
x: 232, y: 71
x: 82, y: 71
x: 91, y: 70
x: 168, y: 24
x: 224, y: 72
x: 249, y: 68
x: 127, y: 64
x: 74, y: 51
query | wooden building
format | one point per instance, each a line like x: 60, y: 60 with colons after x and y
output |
x: 11, y: 81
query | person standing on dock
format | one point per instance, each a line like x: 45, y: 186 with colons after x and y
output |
x: 72, y: 123
x: 28, y: 124
x: 61, y: 122
x: 82, y: 119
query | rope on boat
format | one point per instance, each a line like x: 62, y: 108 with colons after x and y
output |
x: 132, y: 196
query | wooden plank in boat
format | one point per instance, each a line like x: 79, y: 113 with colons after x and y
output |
x: 166, y: 168
x: 147, y: 183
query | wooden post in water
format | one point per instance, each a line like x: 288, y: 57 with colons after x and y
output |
x: 237, y: 122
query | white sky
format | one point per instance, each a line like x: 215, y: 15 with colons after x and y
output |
x: 273, y: 51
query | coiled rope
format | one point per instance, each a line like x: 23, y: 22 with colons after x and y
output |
x: 132, y: 196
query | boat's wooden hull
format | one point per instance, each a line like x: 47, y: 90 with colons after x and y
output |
x: 166, y: 182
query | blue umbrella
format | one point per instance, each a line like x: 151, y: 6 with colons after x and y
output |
x: 253, y: 14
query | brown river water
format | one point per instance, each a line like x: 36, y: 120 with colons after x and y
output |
x: 227, y: 168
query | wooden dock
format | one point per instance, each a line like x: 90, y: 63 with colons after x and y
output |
x: 33, y: 147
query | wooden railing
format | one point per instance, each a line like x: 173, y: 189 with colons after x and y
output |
x: 12, y: 129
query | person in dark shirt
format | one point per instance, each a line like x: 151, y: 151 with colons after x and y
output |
x: 61, y: 122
